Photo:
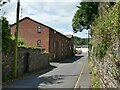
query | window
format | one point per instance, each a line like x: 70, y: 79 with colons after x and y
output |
x: 39, y: 29
x: 54, y: 44
x: 54, y: 32
x: 54, y: 56
x: 39, y: 43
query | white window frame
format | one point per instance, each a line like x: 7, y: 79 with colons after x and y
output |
x: 39, y: 43
x: 54, y: 32
x: 39, y: 29
x: 54, y: 44
x: 54, y: 56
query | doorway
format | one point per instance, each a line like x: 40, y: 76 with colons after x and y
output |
x: 26, y: 63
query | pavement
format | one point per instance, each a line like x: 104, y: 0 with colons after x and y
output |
x: 68, y: 73
x: 85, y: 78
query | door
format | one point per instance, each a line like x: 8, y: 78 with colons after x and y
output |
x: 26, y: 63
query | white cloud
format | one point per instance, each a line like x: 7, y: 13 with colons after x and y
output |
x: 83, y: 34
x: 51, y: 11
x: 47, y: 11
x: 47, y: 0
x: 56, y: 14
x: 61, y: 30
x: 69, y: 33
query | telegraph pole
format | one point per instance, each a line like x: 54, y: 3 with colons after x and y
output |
x: 16, y: 40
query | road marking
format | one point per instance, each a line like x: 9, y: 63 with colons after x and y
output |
x: 77, y: 83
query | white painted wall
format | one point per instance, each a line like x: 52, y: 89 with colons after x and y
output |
x: 84, y: 49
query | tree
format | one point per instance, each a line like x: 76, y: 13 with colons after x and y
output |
x: 84, y: 16
x: 3, y: 2
x: 77, y: 40
x: 80, y: 41
x: 6, y: 34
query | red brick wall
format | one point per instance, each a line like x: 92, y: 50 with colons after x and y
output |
x: 28, y: 30
x: 66, y: 47
x: 72, y: 46
x: 63, y: 48
x: 57, y: 38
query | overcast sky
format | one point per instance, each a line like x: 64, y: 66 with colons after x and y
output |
x: 53, y: 13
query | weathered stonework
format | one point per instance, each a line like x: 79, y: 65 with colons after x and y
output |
x: 37, y: 60
x: 105, y: 52
x: 108, y: 69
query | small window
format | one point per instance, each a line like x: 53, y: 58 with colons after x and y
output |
x: 39, y: 43
x: 39, y: 29
x: 54, y: 32
x: 54, y: 56
x: 54, y: 44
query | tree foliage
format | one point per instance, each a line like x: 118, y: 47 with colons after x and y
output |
x: 84, y: 16
x: 105, y: 41
x: 80, y: 41
x: 3, y: 2
x: 6, y: 34
x: 105, y: 31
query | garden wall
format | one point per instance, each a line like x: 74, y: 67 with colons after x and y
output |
x: 29, y: 60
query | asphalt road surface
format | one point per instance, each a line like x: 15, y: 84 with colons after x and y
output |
x: 64, y: 74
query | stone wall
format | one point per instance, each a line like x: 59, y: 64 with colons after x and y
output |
x: 104, y: 55
x: 107, y: 71
x: 108, y: 68
x: 29, y: 60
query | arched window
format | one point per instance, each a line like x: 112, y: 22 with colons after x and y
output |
x: 39, y: 43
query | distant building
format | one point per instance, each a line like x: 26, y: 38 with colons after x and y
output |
x: 41, y: 36
x: 83, y: 48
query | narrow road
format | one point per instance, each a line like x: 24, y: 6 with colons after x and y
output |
x: 64, y: 75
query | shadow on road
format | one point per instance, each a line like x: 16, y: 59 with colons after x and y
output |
x: 27, y: 78
x: 71, y: 59
x: 55, y: 79
x: 48, y: 69
x: 37, y: 80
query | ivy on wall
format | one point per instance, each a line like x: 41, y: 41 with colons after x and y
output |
x: 105, y: 30
x: 105, y: 33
